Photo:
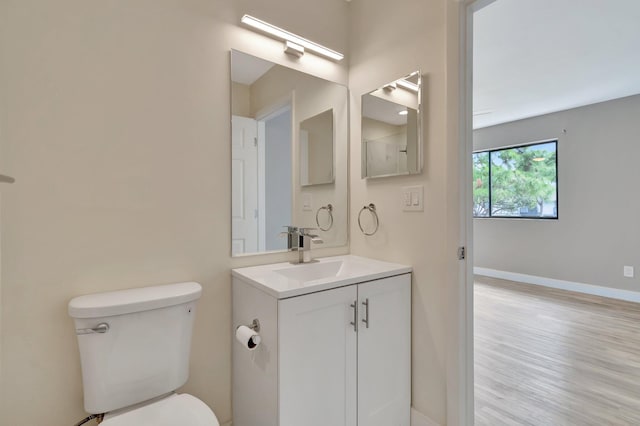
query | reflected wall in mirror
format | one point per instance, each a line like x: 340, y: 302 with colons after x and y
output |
x: 289, y: 134
x: 392, y: 128
x: 316, y: 149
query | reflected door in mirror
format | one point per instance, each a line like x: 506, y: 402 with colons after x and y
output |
x: 244, y: 192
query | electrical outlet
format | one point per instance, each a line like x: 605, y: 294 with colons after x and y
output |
x: 628, y: 271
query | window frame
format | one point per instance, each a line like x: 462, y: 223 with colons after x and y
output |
x: 515, y: 146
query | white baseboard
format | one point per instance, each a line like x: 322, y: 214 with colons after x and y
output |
x: 596, y: 290
x: 419, y: 419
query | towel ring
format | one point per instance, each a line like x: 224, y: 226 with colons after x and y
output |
x: 329, y: 209
x: 372, y: 209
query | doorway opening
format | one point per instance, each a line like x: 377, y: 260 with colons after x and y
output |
x: 274, y: 180
x: 556, y: 297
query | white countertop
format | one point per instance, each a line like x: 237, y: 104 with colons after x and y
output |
x: 283, y: 280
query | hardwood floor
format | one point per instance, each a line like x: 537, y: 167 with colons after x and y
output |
x: 551, y: 357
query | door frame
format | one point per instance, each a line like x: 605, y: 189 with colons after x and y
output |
x: 279, y: 107
x: 464, y: 387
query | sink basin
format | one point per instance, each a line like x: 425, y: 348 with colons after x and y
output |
x: 284, y: 280
x: 311, y: 271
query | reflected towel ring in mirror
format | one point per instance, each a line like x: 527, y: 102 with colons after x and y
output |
x: 329, y: 209
x: 372, y: 209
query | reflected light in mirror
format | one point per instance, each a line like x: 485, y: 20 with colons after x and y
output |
x: 407, y: 85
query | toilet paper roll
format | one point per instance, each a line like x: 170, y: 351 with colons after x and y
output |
x: 247, y: 337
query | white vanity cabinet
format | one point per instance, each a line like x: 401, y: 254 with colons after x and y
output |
x: 333, y: 374
x: 339, y: 356
x: 318, y: 359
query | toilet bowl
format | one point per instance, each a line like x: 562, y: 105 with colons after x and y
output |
x: 134, y: 353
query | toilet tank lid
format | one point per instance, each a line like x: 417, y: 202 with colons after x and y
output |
x: 133, y: 300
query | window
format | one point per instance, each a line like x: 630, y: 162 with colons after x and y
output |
x: 519, y: 181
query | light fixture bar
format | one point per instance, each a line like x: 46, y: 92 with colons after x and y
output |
x: 407, y: 85
x: 293, y: 49
x: 286, y: 35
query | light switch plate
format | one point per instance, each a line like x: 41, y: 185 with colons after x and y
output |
x: 413, y: 198
x: 407, y: 198
x: 628, y: 271
x: 307, y: 202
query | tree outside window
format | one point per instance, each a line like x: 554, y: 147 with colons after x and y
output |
x: 516, y: 182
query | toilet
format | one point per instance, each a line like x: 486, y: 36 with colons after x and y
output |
x: 134, y: 351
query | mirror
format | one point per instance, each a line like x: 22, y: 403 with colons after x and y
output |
x: 316, y: 149
x: 392, y: 128
x: 289, y: 155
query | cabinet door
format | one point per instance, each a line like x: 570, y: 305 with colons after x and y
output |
x: 317, y: 365
x: 384, y: 352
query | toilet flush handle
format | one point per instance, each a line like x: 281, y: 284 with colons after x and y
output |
x: 103, y: 327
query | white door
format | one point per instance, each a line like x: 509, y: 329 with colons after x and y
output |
x: 244, y: 193
x: 317, y: 365
x: 384, y: 352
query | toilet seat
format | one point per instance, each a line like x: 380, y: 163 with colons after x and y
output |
x: 175, y: 409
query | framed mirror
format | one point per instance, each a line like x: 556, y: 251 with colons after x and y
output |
x: 392, y: 128
x: 289, y: 155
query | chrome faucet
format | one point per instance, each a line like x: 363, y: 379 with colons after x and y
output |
x: 300, y: 240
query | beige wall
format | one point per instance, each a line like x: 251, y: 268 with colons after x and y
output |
x: 385, y: 46
x: 116, y: 127
x: 241, y: 95
x: 597, y: 230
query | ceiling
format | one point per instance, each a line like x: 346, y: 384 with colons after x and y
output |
x: 383, y: 110
x: 246, y: 69
x: 533, y: 57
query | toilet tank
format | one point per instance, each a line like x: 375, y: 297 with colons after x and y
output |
x: 134, y: 344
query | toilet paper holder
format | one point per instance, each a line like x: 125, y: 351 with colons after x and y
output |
x: 255, y: 325
x: 249, y: 335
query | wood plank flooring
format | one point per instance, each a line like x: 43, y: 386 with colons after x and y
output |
x: 551, y: 357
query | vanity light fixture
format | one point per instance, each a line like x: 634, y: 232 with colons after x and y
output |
x: 293, y: 49
x: 286, y: 36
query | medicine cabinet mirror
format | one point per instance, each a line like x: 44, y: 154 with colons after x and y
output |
x: 316, y: 149
x: 392, y: 128
x: 289, y: 155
